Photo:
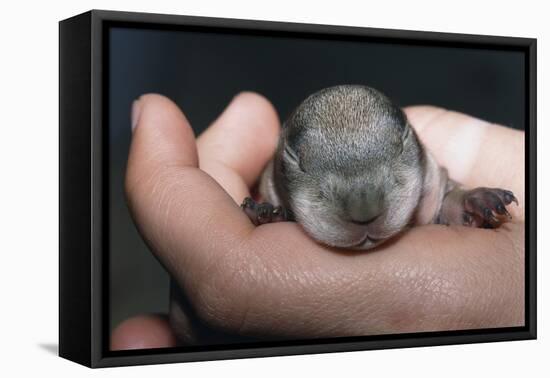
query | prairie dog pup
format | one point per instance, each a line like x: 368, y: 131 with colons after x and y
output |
x: 351, y: 171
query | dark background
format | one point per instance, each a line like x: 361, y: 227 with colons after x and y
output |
x: 202, y: 71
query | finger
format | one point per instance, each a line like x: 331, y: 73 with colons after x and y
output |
x: 235, y: 149
x: 475, y: 152
x: 143, y: 332
x: 182, y: 213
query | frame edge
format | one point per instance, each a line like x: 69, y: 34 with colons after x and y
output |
x: 97, y: 18
x: 74, y: 189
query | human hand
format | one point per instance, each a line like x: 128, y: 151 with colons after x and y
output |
x: 274, y: 281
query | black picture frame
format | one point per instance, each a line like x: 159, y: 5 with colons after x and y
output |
x: 83, y: 78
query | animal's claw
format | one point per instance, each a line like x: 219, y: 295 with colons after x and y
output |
x: 486, y: 207
x: 262, y: 213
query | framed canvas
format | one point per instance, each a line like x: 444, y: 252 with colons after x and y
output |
x: 398, y: 170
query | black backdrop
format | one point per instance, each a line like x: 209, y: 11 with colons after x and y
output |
x: 203, y: 71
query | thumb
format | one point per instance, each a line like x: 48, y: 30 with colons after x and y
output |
x: 183, y: 214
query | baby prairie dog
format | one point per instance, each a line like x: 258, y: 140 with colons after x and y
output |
x: 351, y: 171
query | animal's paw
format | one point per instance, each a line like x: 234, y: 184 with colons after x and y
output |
x: 486, y: 207
x: 262, y: 213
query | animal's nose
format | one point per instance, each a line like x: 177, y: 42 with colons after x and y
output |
x: 364, y: 206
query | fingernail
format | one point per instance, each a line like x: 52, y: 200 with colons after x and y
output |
x: 136, y: 111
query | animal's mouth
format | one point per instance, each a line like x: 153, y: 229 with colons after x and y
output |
x: 365, y: 240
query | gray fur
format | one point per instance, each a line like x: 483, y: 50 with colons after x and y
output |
x: 349, y: 168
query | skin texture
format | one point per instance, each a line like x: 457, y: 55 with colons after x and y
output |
x: 238, y: 279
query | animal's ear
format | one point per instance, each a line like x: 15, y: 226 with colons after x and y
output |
x: 291, y: 157
x: 408, y: 134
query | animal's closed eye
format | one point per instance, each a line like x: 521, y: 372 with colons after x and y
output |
x: 398, y: 180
